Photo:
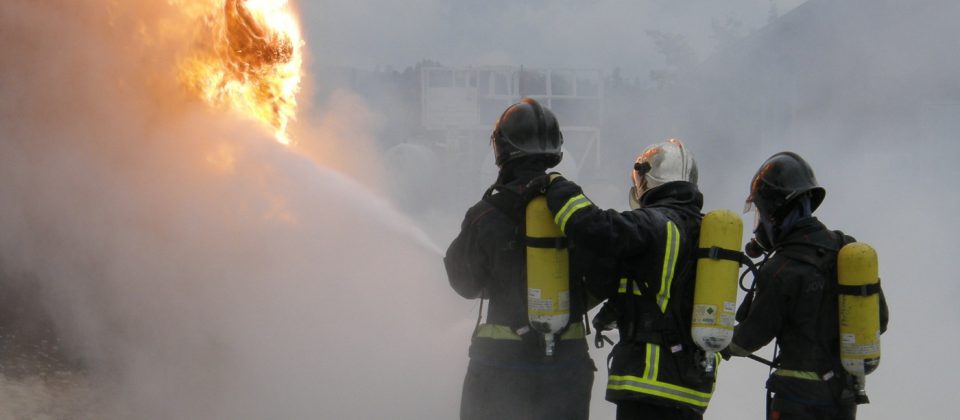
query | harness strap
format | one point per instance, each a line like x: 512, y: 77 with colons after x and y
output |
x: 862, y: 290
x: 599, y: 339
x: 549, y: 243
x: 717, y: 253
x: 507, y: 200
x: 804, y: 374
x: 504, y: 332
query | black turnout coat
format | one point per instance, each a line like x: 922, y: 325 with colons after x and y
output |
x: 653, y: 253
x: 796, y: 303
x: 487, y: 260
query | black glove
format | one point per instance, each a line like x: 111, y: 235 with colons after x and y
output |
x: 539, y: 185
x: 606, y: 318
x: 725, y: 353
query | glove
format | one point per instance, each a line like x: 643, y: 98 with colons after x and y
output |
x: 725, y: 353
x: 606, y: 318
x: 540, y: 184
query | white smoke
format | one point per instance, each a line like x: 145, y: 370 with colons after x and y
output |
x: 865, y: 90
x: 197, y: 268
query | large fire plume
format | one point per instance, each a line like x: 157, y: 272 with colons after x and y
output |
x: 194, y: 268
x: 249, y: 59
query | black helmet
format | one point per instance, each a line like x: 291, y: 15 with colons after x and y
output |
x: 782, y: 179
x: 526, y: 129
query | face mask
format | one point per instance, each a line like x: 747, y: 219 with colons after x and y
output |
x: 763, y: 231
x: 766, y: 234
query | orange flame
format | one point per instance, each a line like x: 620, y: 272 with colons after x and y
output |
x: 250, y: 61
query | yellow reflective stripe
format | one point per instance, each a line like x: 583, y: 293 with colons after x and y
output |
x: 649, y: 383
x: 813, y: 376
x: 573, y: 332
x: 652, y: 366
x: 669, y: 264
x: 497, y: 332
x: 503, y: 332
x: 623, y: 287
x: 566, y: 207
x: 660, y: 389
x: 716, y: 365
x: 576, y: 203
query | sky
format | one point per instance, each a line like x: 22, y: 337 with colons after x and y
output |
x: 203, y: 271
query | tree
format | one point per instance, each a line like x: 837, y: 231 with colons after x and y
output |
x: 727, y: 32
x: 677, y: 53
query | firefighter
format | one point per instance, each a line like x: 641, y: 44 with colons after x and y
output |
x: 510, y: 375
x: 656, y: 371
x: 796, y: 295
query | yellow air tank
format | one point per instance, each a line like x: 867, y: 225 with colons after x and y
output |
x: 715, y: 294
x: 859, y: 307
x: 548, y: 273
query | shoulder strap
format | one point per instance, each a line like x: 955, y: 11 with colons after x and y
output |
x: 511, y: 203
x: 506, y: 199
x: 828, y: 267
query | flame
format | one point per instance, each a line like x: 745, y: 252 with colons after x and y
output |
x: 250, y: 60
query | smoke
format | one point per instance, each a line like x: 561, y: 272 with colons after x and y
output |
x: 194, y: 267
x: 538, y: 33
x: 864, y: 90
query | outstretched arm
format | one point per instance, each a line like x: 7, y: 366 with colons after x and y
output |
x: 606, y: 232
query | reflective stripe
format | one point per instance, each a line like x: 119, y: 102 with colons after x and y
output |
x: 576, y: 203
x: 652, y: 368
x: 669, y: 264
x: 800, y: 374
x: 503, y: 332
x: 497, y: 332
x: 649, y: 383
x: 623, y: 287
x: 660, y: 389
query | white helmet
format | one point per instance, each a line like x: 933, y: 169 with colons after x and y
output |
x: 659, y: 164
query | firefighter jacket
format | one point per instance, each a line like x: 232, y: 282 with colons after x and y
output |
x: 486, y: 260
x: 796, y: 302
x: 654, y: 250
